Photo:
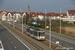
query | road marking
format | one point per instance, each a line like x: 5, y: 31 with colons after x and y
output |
x: 17, y: 37
x: 15, y: 47
x: 11, y: 42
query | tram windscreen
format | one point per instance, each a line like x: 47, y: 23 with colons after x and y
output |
x: 41, y: 33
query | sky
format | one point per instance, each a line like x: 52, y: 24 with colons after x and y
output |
x: 38, y: 5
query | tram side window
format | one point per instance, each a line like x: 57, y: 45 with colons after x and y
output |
x: 28, y: 30
x: 35, y: 33
x: 32, y: 32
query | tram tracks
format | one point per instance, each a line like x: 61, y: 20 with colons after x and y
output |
x: 45, y: 43
x: 32, y: 43
x: 29, y: 41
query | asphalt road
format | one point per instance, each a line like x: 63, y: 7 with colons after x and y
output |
x: 64, y: 41
x: 9, y: 41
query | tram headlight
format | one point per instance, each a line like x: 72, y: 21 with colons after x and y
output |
x: 42, y: 37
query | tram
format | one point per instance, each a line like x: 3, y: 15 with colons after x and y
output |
x: 36, y: 33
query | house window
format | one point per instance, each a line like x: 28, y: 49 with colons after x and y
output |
x: 70, y: 14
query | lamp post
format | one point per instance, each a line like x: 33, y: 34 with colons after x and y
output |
x: 25, y: 18
x: 22, y: 21
x: 9, y: 18
x: 60, y: 20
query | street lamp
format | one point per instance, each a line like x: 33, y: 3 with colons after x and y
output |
x: 9, y: 18
x: 22, y: 21
x: 25, y: 17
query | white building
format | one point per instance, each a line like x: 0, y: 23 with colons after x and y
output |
x: 71, y: 15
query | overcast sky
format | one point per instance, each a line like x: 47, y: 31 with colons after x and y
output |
x: 38, y: 5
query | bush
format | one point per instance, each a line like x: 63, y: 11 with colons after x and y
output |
x: 74, y: 22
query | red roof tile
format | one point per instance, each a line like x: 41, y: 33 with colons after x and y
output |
x: 71, y: 12
x: 1, y: 11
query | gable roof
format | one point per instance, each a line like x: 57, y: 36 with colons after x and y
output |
x: 1, y: 11
x: 71, y: 12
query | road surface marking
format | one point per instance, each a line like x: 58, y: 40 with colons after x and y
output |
x: 15, y: 47
x: 11, y: 42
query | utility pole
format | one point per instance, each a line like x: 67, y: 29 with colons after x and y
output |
x: 13, y: 21
x: 22, y: 24
x: 25, y: 18
x: 60, y: 20
x: 50, y: 33
x: 9, y: 18
x: 6, y: 19
x: 22, y: 21
x: 29, y: 17
x: 45, y: 19
x: 36, y: 16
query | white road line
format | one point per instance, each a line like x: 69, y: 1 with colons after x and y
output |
x: 15, y: 47
x: 12, y: 42
x: 17, y: 38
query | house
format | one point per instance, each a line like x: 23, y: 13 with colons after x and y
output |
x: 1, y: 14
x: 71, y: 16
x: 12, y: 16
x: 37, y: 15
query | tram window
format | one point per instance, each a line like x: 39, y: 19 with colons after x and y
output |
x: 35, y: 33
x: 32, y: 32
x: 41, y: 33
x: 27, y: 30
